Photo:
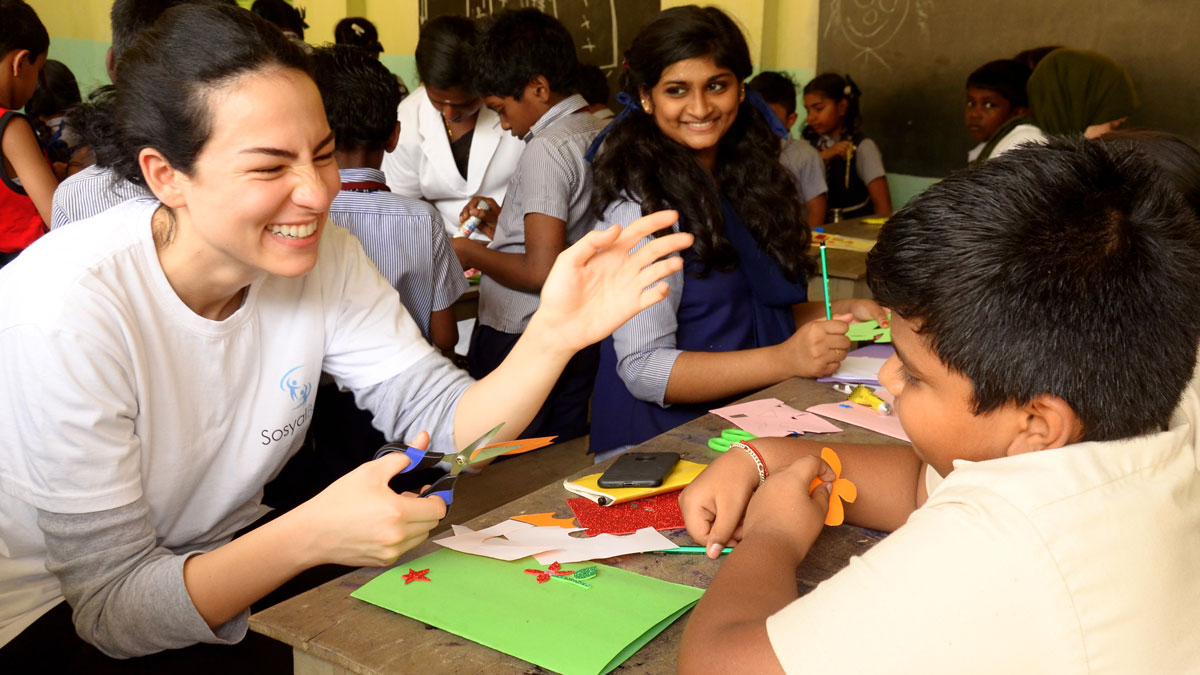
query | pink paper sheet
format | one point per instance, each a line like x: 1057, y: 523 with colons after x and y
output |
x: 771, y: 417
x: 864, y: 416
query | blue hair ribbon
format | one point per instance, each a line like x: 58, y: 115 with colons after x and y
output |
x: 769, y: 116
x: 630, y: 106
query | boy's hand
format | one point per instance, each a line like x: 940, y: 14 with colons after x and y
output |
x: 818, y: 347
x: 489, y: 216
x: 784, y: 512
x: 714, y: 502
x: 359, y: 520
x: 597, y: 285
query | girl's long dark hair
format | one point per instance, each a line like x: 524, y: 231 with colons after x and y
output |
x: 639, y: 162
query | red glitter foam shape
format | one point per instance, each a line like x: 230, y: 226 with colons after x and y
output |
x: 660, y: 512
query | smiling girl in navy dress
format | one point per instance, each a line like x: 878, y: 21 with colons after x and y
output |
x: 697, y: 144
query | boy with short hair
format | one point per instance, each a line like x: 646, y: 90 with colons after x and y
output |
x: 404, y: 237
x: 800, y: 158
x: 96, y: 189
x: 1046, y: 516
x: 997, y: 108
x: 526, y: 69
x: 26, y: 179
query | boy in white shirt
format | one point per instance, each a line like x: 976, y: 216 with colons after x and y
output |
x: 1045, y: 331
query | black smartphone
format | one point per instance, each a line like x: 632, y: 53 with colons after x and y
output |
x: 639, y: 469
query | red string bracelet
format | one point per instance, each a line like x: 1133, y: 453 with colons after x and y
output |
x: 756, y: 456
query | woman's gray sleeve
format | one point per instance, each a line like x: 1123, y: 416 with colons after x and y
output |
x: 422, y: 398
x: 126, y: 592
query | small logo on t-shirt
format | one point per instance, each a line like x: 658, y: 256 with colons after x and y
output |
x: 290, y: 383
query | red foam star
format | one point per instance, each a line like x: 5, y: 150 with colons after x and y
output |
x: 416, y: 575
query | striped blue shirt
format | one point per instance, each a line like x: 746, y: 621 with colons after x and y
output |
x: 90, y: 192
x: 553, y: 179
x: 406, y: 240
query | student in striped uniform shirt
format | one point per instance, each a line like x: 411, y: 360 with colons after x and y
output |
x: 526, y: 69
x: 98, y: 188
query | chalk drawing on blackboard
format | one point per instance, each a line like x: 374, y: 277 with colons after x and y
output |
x: 869, y: 25
x: 593, y: 23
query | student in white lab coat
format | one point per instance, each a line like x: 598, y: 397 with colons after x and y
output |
x: 451, y: 146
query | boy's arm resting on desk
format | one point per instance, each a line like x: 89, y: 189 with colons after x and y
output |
x: 545, y: 238
x: 21, y: 148
x: 890, y: 481
x: 965, y: 586
x: 727, y: 632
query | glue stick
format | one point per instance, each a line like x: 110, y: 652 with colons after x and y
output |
x: 468, y: 228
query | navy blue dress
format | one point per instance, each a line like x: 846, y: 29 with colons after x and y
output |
x: 746, y: 308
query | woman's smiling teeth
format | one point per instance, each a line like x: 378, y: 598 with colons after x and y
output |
x: 293, y: 231
x: 700, y: 126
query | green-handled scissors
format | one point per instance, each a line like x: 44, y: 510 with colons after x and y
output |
x: 721, y: 443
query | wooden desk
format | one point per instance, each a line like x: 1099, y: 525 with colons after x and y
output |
x: 847, y: 269
x: 332, y: 633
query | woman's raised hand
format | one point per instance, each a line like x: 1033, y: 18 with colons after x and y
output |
x: 597, y: 285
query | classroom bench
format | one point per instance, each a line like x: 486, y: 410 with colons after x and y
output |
x: 331, y: 633
x: 847, y: 269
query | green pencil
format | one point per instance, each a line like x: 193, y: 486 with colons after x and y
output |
x: 693, y: 549
x: 825, y: 279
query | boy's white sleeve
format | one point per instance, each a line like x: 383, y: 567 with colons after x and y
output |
x: 965, y: 586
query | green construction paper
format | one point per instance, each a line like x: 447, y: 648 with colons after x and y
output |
x: 867, y: 332
x: 556, y: 626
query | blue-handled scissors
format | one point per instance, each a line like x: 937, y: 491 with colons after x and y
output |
x: 721, y: 443
x: 424, y: 459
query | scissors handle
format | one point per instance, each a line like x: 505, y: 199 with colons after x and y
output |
x: 417, y: 458
x: 442, y: 487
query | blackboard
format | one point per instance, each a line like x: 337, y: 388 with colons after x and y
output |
x: 603, y: 29
x: 911, y: 59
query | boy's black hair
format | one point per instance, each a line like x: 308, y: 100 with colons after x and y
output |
x: 1006, y: 77
x: 20, y: 28
x: 131, y: 18
x: 1069, y: 269
x: 444, y: 52
x: 775, y: 88
x: 1175, y: 155
x: 57, y: 92
x: 593, y: 85
x: 357, y: 32
x: 282, y: 15
x: 516, y: 46
x: 360, y: 96
x: 1032, y: 57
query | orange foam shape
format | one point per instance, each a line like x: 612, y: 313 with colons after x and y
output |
x: 843, y: 489
x: 547, y: 520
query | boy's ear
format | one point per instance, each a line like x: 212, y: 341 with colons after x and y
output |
x: 110, y: 65
x: 539, y: 88
x: 791, y: 120
x: 20, y: 60
x: 1019, y: 110
x: 164, y: 180
x: 394, y: 139
x: 1047, y: 422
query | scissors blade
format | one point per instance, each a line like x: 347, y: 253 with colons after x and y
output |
x: 463, y: 458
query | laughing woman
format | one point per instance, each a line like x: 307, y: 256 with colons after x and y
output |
x: 697, y: 144
x: 157, y: 366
